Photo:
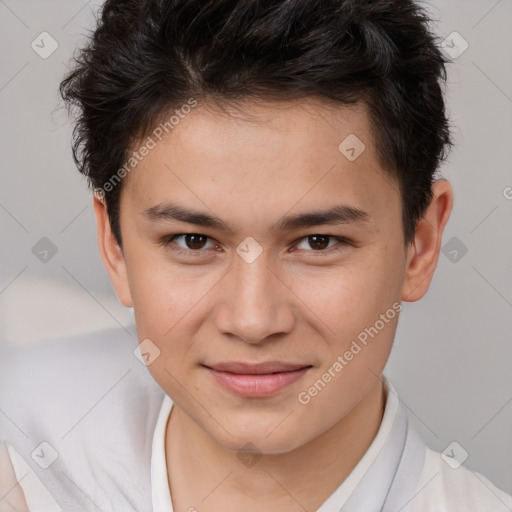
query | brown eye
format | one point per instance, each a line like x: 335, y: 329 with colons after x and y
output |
x: 194, y: 241
x: 315, y: 242
x: 318, y: 242
x: 188, y: 243
x: 322, y: 244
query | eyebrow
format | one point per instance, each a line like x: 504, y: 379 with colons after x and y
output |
x: 341, y: 214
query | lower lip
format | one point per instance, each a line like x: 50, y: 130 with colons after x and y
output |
x: 256, y: 386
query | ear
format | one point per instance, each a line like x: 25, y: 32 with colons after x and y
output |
x: 111, y: 253
x: 423, y: 253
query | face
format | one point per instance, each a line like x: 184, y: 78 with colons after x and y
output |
x: 250, y: 237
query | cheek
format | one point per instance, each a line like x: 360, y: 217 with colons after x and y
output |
x: 351, y: 295
x: 164, y: 292
x: 163, y: 303
x: 170, y: 304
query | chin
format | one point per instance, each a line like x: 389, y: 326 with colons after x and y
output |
x: 257, y: 440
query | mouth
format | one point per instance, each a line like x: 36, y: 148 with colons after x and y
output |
x: 256, y: 380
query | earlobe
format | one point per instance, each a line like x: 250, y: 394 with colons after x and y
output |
x: 423, y: 253
x: 111, y: 253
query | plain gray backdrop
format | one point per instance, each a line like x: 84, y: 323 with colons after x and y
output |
x: 452, y: 358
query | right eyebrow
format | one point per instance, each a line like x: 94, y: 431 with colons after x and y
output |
x: 173, y: 212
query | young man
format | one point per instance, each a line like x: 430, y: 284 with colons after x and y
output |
x: 266, y: 198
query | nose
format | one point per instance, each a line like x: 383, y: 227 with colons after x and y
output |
x: 255, y: 304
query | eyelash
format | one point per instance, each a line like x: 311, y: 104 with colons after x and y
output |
x: 343, y: 242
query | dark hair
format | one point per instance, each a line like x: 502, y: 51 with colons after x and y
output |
x: 148, y: 57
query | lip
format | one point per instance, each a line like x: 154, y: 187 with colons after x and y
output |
x: 256, y: 380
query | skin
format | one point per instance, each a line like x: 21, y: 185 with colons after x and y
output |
x: 12, y: 496
x: 294, y: 303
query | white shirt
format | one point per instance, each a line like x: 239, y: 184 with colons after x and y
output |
x: 114, y: 459
x: 445, y: 487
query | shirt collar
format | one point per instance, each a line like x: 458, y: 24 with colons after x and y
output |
x: 160, y: 492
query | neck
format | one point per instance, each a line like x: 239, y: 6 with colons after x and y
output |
x: 205, y: 475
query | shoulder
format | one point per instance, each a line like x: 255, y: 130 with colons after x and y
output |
x: 67, y: 374
x: 61, y: 368
x: 443, y: 488
x: 83, y: 408
x: 67, y: 389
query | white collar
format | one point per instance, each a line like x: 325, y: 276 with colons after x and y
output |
x: 160, y: 492
x: 161, y: 496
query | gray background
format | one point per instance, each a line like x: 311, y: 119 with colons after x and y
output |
x: 451, y: 363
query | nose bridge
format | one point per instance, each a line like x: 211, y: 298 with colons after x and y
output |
x: 253, y: 303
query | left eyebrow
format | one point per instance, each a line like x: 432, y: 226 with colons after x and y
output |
x: 341, y: 214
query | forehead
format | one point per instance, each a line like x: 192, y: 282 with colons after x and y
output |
x: 261, y: 156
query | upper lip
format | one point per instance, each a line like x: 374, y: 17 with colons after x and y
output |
x: 256, y: 368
